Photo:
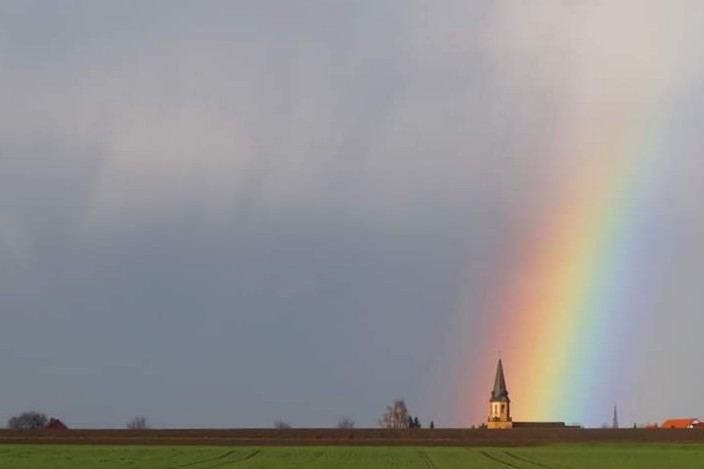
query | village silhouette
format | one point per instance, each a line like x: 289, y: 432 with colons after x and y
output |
x: 499, y: 415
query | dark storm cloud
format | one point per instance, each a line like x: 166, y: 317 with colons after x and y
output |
x: 225, y: 214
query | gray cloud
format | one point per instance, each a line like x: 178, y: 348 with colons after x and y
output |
x: 303, y: 211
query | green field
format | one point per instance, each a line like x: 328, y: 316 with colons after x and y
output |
x: 190, y: 457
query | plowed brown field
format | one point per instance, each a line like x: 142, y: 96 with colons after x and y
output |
x: 357, y: 437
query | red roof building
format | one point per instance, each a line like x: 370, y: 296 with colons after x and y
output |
x: 56, y: 424
x: 683, y: 423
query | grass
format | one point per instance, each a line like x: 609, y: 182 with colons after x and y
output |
x: 194, y: 457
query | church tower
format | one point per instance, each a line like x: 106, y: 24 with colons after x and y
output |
x: 500, y: 404
x: 615, y: 423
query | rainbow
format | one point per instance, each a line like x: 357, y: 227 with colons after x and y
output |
x: 571, y: 303
x: 574, y: 293
x: 565, y: 310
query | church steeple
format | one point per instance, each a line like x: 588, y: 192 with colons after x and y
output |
x: 499, y: 404
x: 615, y: 422
x: 500, y: 392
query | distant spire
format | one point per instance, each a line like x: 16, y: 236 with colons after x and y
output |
x: 615, y: 416
x: 500, y: 393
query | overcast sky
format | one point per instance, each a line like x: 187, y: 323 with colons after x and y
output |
x: 227, y: 213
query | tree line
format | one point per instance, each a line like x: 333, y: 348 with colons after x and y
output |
x: 32, y: 420
x: 396, y: 416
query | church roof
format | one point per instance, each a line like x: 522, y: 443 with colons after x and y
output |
x: 500, y: 393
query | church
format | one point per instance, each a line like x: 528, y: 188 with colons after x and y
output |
x: 499, y: 404
x: 500, y: 407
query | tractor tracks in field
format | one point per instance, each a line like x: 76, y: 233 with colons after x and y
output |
x: 204, y: 461
x: 491, y: 457
x: 528, y: 461
x: 428, y: 461
x: 517, y: 462
x: 220, y: 461
x: 249, y: 456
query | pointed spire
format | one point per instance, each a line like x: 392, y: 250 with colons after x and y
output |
x: 615, y: 424
x: 500, y: 393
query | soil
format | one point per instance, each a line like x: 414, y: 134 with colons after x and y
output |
x: 356, y: 437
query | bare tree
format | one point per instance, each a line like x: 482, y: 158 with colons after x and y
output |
x: 396, y: 416
x: 346, y: 422
x: 28, y: 421
x: 138, y: 423
x: 281, y: 425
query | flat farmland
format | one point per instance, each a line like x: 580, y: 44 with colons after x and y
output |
x: 356, y: 437
x: 279, y: 457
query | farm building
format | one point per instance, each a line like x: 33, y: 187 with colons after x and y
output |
x: 56, y: 424
x: 683, y: 423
